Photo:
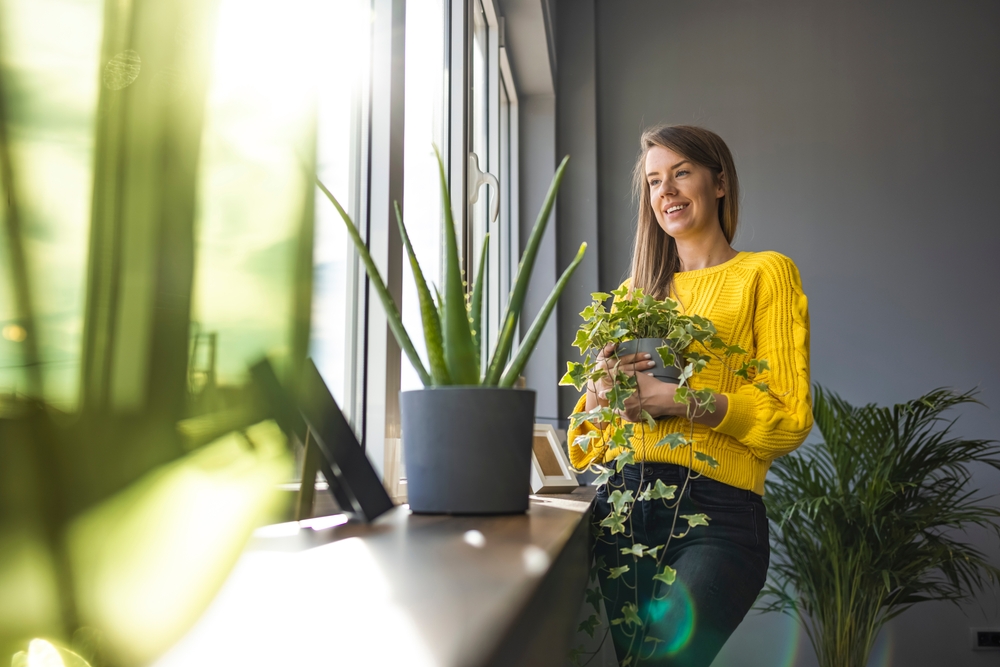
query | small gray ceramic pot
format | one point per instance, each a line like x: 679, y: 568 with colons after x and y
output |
x: 467, y: 450
x: 648, y: 346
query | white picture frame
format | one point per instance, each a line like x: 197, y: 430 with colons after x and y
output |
x: 550, y: 468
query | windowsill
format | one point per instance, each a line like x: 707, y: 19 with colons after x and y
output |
x: 407, y: 589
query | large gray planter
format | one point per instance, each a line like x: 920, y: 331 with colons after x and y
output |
x: 669, y: 374
x: 467, y: 450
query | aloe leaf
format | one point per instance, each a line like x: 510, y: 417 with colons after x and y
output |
x: 460, y: 352
x: 440, y: 304
x: 392, y: 315
x: 428, y: 311
x: 476, y: 306
x: 516, y: 365
x: 516, y: 300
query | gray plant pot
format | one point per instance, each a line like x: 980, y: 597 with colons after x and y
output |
x: 468, y: 449
x: 669, y: 374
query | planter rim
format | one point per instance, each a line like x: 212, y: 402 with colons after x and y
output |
x: 465, y: 387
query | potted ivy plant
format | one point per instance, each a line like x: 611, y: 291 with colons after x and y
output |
x: 682, y: 345
x: 871, y: 520
x: 467, y: 434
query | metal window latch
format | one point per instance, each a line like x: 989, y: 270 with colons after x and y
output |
x: 477, y: 178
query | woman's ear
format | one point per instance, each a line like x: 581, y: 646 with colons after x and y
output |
x: 720, y: 185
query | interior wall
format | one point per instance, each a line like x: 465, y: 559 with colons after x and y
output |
x: 865, y: 137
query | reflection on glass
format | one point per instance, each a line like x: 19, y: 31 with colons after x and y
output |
x: 479, y: 141
x: 255, y: 157
x: 424, y: 127
x: 49, y: 52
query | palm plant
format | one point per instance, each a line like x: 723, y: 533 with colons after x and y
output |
x: 869, y: 521
x: 452, y: 323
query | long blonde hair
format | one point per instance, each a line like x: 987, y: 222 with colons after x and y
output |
x: 654, y: 256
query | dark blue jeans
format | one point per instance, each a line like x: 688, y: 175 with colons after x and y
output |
x: 720, y: 567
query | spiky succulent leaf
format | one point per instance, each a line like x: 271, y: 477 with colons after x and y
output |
x: 516, y: 301
x: 517, y: 364
x: 460, y: 352
x: 394, y: 319
x: 428, y: 311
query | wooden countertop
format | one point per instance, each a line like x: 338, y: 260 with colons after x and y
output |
x: 408, y: 589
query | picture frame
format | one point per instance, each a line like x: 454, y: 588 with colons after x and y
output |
x: 550, y: 468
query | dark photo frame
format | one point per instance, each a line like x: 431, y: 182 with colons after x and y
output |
x: 312, y: 414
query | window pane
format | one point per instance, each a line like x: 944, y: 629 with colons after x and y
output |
x: 424, y: 127
x: 251, y: 206
x: 479, y: 126
x: 345, y: 70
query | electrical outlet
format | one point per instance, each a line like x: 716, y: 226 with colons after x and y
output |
x: 985, y: 639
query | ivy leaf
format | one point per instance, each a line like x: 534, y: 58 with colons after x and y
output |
x: 605, y: 475
x: 589, y: 625
x: 618, y: 571
x: 666, y: 355
x: 618, y: 394
x: 624, y: 459
x: 631, y: 614
x: 621, y: 292
x: 705, y: 458
x: 593, y: 596
x: 582, y: 340
x: 734, y: 349
x: 762, y: 365
x: 650, y: 422
x: 598, y: 566
x: 696, y: 519
x: 762, y: 386
x: 652, y: 553
x: 578, y: 418
x: 616, y: 522
x: 680, y: 396
x: 667, y: 576
x: 600, y: 296
x: 653, y: 639
x: 575, y: 375
x: 619, y: 500
x: 661, y: 490
x: 637, y: 550
x: 583, y: 441
x: 675, y: 440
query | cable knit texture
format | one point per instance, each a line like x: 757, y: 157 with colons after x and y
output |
x: 755, y: 301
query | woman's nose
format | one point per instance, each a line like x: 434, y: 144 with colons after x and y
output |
x: 666, y: 188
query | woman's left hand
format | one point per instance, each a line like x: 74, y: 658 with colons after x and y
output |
x: 653, y: 396
x: 657, y: 398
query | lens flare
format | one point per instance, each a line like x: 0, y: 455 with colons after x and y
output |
x: 671, y: 620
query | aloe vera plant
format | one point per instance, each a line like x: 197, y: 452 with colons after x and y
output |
x: 452, y: 323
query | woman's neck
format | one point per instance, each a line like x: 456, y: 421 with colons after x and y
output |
x: 703, y: 252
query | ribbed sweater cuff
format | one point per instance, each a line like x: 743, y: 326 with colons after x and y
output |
x: 740, y: 417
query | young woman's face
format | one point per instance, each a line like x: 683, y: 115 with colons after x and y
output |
x: 684, y: 195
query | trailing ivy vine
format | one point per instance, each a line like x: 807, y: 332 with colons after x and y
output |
x: 689, y: 343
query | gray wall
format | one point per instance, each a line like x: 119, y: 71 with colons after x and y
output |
x: 866, y: 136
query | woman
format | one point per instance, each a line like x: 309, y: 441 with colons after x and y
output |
x: 688, y: 193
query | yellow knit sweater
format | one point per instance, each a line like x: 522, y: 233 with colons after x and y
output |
x: 755, y: 301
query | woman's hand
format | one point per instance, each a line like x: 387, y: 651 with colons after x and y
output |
x: 629, y: 364
x: 652, y: 395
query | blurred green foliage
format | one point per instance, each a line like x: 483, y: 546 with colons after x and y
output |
x: 155, y: 238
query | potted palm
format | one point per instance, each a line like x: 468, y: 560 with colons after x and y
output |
x: 871, y: 520
x: 467, y: 434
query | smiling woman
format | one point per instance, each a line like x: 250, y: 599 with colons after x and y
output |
x: 687, y: 190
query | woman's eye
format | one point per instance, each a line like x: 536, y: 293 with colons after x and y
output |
x: 654, y: 183
x: 682, y: 172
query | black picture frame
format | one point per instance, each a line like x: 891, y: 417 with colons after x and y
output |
x: 312, y: 410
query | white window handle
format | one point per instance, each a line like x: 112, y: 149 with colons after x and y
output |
x: 478, y: 178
